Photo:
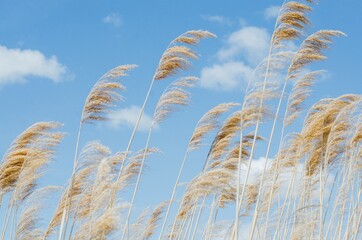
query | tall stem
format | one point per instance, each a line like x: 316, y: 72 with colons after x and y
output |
x: 114, y: 190
x: 137, y: 182
x: 208, y: 228
x: 280, y: 217
x: 173, y: 195
x: 198, y: 217
x: 256, y: 211
x: 239, y: 199
x: 188, y: 232
x: 175, y: 220
x: 66, y: 209
x: 6, y: 222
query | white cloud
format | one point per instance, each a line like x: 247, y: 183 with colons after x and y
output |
x: 17, y: 64
x: 256, y: 169
x: 271, y: 12
x: 250, y: 42
x: 217, y: 19
x: 243, y: 50
x: 127, y: 117
x: 285, y: 176
x: 114, y: 19
x: 225, y: 76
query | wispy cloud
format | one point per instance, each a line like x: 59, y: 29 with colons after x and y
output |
x: 225, y: 76
x: 256, y: 169
x: 236, y: 60
x: 114, y: 19
x: 217, y: 19
x: 127, y: 117
x: 17, y: 64
x: 271, y: 12
x: 250, y: 42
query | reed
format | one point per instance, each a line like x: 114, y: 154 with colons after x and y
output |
x: 307, y: 184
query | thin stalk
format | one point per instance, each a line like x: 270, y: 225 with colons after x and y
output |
x: 239, y: 199
x: 344, y: 202
x: 187, y: 233
x: 137, y: 183
x: 330, y: 196
x: 296, y: 207
x: 66, y: 209
x: 250, y: 158
x: 180, y: 233
x: 114, y: 190
x: 13, y: 221
x: 355, y: 230
x: 280, y: 217
x: 358, y: 225
x: 6, y: 222
x: 291, y: 202
x: 256, y: 212
x: 208, y: 228
x: 321, y: 202
x: 343, y: 174
x: 1, y: 200
x: 173, y: 195
x: 174, y: 222
x: 198, y: 217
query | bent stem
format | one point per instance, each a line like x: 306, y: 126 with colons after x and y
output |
x: 114, y: 190
x: 66, y: 209
x: 125, y: 228
x: 173, y: 195
x: 198, y: 217
x: 256, y: 212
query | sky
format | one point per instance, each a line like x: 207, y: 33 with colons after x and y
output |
x: 52, y: 52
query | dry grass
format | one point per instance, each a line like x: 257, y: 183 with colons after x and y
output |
x: 308, y: 187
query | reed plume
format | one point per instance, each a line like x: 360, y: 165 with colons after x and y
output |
x: 101, y: 97
x: 26, y: 156
x: 89, y: 159
x: 309, y: 52
x: 207, y: 123
x: 176, y: 57
x: 175, y: 95
x: 23, y: 148
x: 28, y: 226
x: 155, y: 217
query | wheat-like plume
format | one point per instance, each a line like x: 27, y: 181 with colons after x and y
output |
x: 28, y: 225
x: 207, y: 123
x: 90, y: 157
x: 175, y: 95
x: 155, y: 217
x: 19, y: 151
x: 176, y: 56
x: 291, y: 21
x: 104, y: 94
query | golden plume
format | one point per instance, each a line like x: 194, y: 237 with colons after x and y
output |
x: 176, y: 56
x: 104, y: 94
x: 173, y: 96
x: 35, y: 144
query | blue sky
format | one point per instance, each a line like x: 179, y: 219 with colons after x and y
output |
x: 52, y: 52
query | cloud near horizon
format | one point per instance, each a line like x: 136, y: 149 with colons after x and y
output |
x: 17, y: 64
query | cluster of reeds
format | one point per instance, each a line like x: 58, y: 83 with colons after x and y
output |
x: 309, y: 186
